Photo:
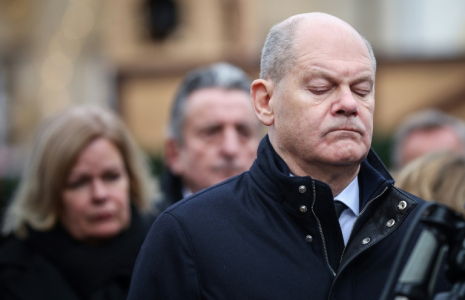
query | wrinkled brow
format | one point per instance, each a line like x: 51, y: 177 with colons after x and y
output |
x: 321, y: 73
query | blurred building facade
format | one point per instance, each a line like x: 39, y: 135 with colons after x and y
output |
x: 132, y: 54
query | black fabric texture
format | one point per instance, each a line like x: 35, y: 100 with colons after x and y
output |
x: 171, y: 190
x: 88, y: 272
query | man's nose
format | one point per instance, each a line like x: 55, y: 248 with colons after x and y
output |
x: 346, y: 103
x: 231, y: 143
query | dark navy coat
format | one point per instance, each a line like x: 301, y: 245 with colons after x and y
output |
x: 250, y: 238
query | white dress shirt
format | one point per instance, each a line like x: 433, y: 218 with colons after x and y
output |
x: 350, y: 197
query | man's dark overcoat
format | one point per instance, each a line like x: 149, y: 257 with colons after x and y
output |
x: 267, y: 235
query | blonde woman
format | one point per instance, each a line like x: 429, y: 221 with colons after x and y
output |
x: 437, y: 176
x: 80, y: 214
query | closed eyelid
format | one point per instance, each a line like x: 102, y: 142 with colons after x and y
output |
x: 366, y: 87
x: 317, y: 84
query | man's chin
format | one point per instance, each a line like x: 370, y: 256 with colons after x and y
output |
x: 347, y: 156
x: 350, y: 158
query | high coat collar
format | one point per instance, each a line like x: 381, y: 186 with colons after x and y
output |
x: 274, y: 175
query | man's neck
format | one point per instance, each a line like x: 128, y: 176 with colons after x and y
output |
x: 337, y: 177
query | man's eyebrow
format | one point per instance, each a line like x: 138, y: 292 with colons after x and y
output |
x: 211, y: 125
x: 317, y: 72
x: 369, y: 78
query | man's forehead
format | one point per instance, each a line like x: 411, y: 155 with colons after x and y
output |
x: 329, y: 52
x: 336, y: 46
x: 216, y: 90
x: 323, y: 34
x: 323, y: 23
x: 215, y: 96
x: 216, y: 105
x: 361, y: 72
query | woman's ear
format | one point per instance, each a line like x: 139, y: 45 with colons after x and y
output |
x: 261, y: 93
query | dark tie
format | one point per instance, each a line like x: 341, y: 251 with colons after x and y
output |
x: 340, y: 207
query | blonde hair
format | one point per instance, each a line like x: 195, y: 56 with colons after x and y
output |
x: 57, y: 144
x: 437, y: 176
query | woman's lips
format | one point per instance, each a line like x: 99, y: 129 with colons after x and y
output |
x: 102, y: 216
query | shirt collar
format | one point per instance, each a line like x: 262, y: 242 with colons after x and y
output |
x: 350, y: 196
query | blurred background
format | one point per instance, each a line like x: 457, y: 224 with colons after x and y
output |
x: 131, y: 55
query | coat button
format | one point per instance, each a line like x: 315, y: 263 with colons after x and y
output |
x: 390, y: 223
x: 302, y: 189
x: 365, y: 241
x: 303, y: 209
x: 402, y: 205
x: 309, y: 239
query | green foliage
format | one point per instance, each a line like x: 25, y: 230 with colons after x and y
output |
x: 383, y: 147
x: 156, y: 164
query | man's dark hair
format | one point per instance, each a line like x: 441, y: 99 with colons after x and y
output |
x: 220, y: 75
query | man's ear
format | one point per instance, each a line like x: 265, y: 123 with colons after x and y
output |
x: 261, y: 93
x: 173, y: 156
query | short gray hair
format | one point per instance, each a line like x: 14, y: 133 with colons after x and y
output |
x: 220, y: 75
x: 371, y: 52
x: 278, y: 53
x: 423, y: 120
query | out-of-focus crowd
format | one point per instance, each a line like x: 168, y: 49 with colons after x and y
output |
x: 87, y: 198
